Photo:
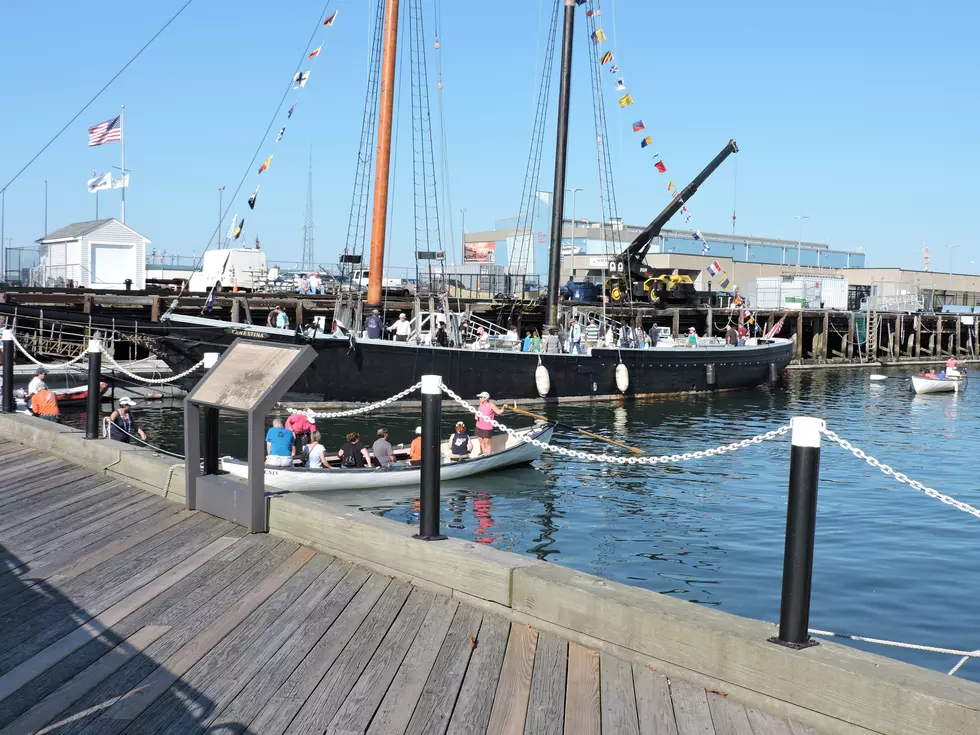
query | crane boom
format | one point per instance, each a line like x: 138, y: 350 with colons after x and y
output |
x: 634, y: 255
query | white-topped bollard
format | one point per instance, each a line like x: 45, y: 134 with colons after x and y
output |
x: 9, y: 404
x: 801, y: 523
x: 431, y: 459
x: 210, y: 359
x: 94, y: 398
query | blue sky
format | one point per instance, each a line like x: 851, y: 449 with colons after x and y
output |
x: 864, y: 116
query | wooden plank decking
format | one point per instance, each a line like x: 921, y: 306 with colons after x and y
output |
x: 120, y: 612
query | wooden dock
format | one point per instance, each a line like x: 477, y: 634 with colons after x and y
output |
x: 122, y: 612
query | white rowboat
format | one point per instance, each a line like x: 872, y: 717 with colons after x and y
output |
x: 507, y: 451
x: 936, y: 385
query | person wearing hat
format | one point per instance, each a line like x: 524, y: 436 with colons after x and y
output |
x: 122, y: 425
x: 460, y: 444
x: 402, y: 328
x: 372, y: 325
x: 415, y: 457
x: 692, y: 337
x: 302, y: 424
x: 37, y: 383
x: 484, y: 427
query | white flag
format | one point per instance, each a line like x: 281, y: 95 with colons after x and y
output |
x: 99, y: 183
x: 231, y: 230
x: 121, y: 183
x: 299, y: 79
x: 620, y: 85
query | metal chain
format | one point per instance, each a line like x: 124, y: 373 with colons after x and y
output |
x: 903, y: 478
x: 151, y: 381
x: 52, y: 366
x: 617, y: 460
x: 363, y: 409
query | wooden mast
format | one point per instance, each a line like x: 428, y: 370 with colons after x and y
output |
x: 379, y: 221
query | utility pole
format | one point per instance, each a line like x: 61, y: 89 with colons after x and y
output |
x: 96, y: 198
x: 949, y: 287
x: 462, y: 236
x: 221, y: 218
x: 799, y: 242
x: 308, y: 257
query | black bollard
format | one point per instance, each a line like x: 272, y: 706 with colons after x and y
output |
x: 210, y: 443
x: 801, y: 523
x: 94, y: 402
x: 431, y: 459
x: 9, y: 404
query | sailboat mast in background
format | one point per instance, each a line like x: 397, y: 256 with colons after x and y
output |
x: 383, y: 162
x: 561, y: 158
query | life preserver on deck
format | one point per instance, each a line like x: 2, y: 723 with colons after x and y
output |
x: 622, y: 378
x: 542, y: 379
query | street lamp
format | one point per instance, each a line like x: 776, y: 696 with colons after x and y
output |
x: 799, y: 241
x: 571, y: 254
x: 221, y: 218
x: 951, y: 248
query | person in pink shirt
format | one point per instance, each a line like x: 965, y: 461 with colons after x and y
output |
x: 484, y: 427
x: 302, y: 425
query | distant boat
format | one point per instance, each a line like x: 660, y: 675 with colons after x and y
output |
x: 507, y: 451
x: 66, y: 396
x: 939, y: 385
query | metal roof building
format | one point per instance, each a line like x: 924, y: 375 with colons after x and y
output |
x: 100, y: 254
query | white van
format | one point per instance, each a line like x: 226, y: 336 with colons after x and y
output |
x: 242, y: 267
x: 394, y: 286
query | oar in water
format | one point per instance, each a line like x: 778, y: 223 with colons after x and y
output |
x: 575, y: 428
x: 877, y: 376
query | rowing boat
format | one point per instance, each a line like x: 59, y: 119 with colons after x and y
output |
x: 938, y: 385
x: 506, y: 451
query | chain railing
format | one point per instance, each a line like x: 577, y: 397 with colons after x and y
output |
x: 48, y: 366
x: 901, y: 477
x: 357, y: 411
x: 152, y: 381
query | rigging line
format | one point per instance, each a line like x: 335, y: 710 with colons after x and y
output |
x: 97, y: 94
x: 265, y: 135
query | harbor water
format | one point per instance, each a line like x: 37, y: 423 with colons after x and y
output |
x: 890, y: 562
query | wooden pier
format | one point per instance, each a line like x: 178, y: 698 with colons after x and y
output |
x: 122, y: 612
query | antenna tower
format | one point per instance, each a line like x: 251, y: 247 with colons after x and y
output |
x: 308, y: 223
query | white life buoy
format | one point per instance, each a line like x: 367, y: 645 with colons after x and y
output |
x: 622, y: 378
x: 542, y: 380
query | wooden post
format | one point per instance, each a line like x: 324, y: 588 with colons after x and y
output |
x: 236, y: 310
x: 891, y: 343
x: 87, y: 301
x: 937, y: 345
x: 824, y: 338
x: 709, y: 333
x: 918, y: 336
x: 677, y: 322
x: 155, y: 309
x: 955, y: 343
x: 799, y: 335
x: 299, y: 312
x: 849, y: 348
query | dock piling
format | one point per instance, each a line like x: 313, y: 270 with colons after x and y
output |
x: 431, y: 459
x: 801, y: 520
x: 94, y: 398
x: 9, y: 405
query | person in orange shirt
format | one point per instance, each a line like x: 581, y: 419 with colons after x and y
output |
x: 44, y: 404
x: 416, y: 456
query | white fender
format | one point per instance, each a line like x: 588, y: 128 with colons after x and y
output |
x: 622, y: 378
x: 542, y: 380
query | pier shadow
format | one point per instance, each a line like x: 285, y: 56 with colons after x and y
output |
x: 63, y: 673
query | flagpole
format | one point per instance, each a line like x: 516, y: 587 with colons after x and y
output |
x: 122, y: 148
x: 96, y: 199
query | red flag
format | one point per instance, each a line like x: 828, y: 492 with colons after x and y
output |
x: 660, y: 167
x: 314, y: 53
x: 329, y: 21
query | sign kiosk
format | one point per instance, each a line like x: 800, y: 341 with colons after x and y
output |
x: 249, y: 378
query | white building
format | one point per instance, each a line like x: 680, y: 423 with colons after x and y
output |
x: 102, y: 255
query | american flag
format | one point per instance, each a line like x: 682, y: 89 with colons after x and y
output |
x: 105, y: 132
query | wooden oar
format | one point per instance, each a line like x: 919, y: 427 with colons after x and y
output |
x: 574, y: 428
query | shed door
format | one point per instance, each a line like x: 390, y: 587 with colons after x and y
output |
x: 112, y: 265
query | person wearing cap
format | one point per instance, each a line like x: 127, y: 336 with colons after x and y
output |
x: 37, y: 383
x: 484, y: 427
x: 460, y: 444
x: 372, y: 325
x: 415, y: 456
x: 381, y: 449
x: 692, y: 337
x: 402, y: 328
x: 302, y: 424
x: 122, y: 425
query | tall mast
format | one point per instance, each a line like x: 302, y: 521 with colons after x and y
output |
x: 385, y: 113
x: 561, y: 159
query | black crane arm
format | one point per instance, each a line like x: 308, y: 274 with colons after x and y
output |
x: 635, y: 253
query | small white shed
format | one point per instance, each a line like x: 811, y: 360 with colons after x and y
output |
x: 101, y: 255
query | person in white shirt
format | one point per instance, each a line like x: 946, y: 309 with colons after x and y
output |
x: 315, y: 451
x: 37, y: 383
x: 402, y: 328
x: 512, y: 335
x: 273, y: 275
x: 316, y: 285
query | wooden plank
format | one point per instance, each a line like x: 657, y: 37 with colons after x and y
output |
x: 510, y: 700
x: 764, y: 723
x: 48, y: 479
x: 169, y: 672
x: 582, y: 692
x: 690, y: 708
x: 362, y: 701
x: 325, y: 700
x: 654, y: 709
x: 59, y: 700
x: 728, y: 717
x: 435, y: 706
x: 50, y: 494
x: 284, y: 655
x: 473, y: 707
x: 399, y: 702
x: 797, y: 729
x: 286, y: 702
x: 617, y: 699
x: 546, y: 705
